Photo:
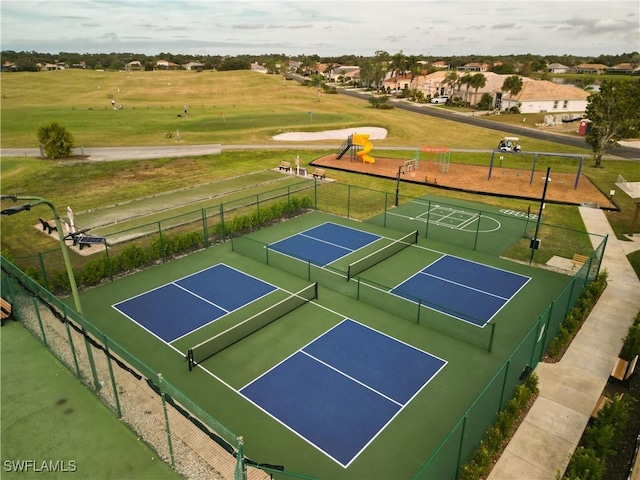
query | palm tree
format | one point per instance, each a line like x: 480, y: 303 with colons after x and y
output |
x: 398, y: 65
x: 513, y: 85
x: 477, y: 82
x: 317, y: 80
x: 466, y: 80
x: 451, y: 79
x: 329, y: 70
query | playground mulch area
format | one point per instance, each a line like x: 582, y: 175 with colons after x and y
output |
x: 509, y: 182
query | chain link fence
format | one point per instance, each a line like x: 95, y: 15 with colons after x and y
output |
x: 193, y: 442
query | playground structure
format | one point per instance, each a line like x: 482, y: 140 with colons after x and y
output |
x: 441, y: 156
x: 580, y: 158
x: 359, y: 145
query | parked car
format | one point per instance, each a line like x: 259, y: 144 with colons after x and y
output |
x: 440, y: 99
x: 509, y: 144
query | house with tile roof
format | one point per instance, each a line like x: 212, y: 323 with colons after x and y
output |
x: 542, y: 96
x: 592, y: 68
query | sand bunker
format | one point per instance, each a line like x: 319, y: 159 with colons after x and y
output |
x: 375, y: 133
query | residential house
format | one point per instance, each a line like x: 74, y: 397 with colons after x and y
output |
x: 558, y: 68
x: 542, y: 96
x: 345, y: 73
x: 133, y: 66
x: 194, y: 66
x: 474, y: 67
x: 621, y: 69
x: 591, y: 68
x: 9, y: 67
x: 53, y: 66
x: 396, y: 84
x: 166, y: 65
x: 440, y: 65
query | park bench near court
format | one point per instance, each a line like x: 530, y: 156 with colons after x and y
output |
x: 623, y: 369
x: 286, y: 166
x: 319, y: 173
x: 5, y: 311
x: 579, y: 260
x: 47, y: 227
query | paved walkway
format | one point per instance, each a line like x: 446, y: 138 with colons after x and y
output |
x: 569, y: 389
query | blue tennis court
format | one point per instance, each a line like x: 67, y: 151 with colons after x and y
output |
x: 467, y: 290
x: 324, y: 243
x: 180, y: 307
x: 341, y: 390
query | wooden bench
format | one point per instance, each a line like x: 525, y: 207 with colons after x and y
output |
x: 623, y: 369
x: 47, y: 227
x: 579, y: 260
x: 286, y: 166
x: 319, y: 173
x: 602, y: 402
x: 5, y: 310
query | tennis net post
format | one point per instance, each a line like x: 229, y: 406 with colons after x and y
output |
x: 231, y: 335
x: 383, y: 253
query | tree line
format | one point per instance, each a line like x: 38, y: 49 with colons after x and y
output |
x: 504, y: 64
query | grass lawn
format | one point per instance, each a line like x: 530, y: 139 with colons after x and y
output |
x: 48, y: 415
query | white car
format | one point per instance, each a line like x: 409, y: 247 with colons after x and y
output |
x: 440, y: 99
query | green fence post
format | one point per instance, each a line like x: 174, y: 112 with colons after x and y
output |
x: 504, y: 383
x: 106, y: 252
x: 315, y: 193
x: 73, y: 349
x: 222, y: 232
x: 426, y: 227
x: 113, y: 378
x: 384, y: 218
x: 241, y: 470
x: 493, y: 333
x: 162, y: 252
x: 166, y: 419
x: 475, y: 242
x: 44, y: 335
x: 459, y: 459
x: 205, y: 233
x: 44, y: 271
x: 258, y: 210
x: 348, y: 201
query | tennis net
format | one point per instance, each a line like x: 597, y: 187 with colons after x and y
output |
x: 219, y: 342
x: 385, y: 252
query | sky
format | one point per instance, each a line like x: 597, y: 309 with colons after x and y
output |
x: 325, y: 28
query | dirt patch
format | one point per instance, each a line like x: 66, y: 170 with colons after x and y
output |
x: 510, y: 182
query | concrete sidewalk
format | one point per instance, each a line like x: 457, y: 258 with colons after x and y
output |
x: 569, y: 389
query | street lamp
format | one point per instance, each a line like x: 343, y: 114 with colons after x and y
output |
x: 65, y: 252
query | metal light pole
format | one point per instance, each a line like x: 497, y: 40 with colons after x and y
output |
x: 63, y: 245
x: 67, y: 262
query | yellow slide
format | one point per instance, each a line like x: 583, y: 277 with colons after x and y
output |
x: 362, y: 139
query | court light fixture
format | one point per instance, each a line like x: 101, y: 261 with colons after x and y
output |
x: 15, y: 209
x: 63, y: 245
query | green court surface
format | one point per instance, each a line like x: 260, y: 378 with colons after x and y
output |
x: 405, y: 444
x: 49, y: 417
